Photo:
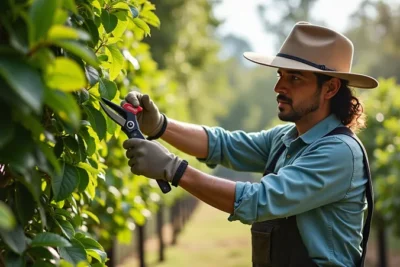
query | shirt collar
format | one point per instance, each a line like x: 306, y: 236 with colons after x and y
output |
x: 319, y: 130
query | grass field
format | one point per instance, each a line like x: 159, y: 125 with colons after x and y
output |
x: 209, y: 239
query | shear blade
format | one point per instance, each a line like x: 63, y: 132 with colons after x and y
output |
x: 113, y: 115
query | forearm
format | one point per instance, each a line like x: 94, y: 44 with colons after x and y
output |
x: 189, y: 138
x: 217, y: 192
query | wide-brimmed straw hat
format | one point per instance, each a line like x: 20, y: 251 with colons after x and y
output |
x: 318, y: 49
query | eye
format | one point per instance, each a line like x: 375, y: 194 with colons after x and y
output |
x: 294, y: 78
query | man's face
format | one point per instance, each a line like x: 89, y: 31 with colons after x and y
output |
x: 298, y: 94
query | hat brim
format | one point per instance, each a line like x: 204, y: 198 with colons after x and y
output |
x: 354, y: 79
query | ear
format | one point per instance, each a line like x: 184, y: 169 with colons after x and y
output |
x: 332, y: 87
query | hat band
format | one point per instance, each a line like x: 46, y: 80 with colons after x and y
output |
x: 305, y: 61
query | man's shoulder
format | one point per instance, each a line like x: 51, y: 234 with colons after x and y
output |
x: 340, y: 142
x: 281, y: 129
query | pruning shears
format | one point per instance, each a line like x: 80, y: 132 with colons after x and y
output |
x: 125, y: 116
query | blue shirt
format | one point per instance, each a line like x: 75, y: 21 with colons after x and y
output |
x: 320, y: 179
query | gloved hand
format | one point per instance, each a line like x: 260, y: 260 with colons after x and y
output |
x: 150, y: 120
x: 153, y: 160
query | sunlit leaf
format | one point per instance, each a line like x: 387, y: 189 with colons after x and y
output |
x: 117, y: 61
x: 61, y: 32
x: 79, y: 50
x: 65, y: 106
x: 142, y: 25
x: 7, y: 219
x: 150, y: 18
x: 66, y: 75
x: 92, y: 216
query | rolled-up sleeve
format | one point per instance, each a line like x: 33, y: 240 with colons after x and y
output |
x: 322, y: 175
x: 237, y: 150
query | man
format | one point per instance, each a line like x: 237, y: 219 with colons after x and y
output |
x: 308, y: 209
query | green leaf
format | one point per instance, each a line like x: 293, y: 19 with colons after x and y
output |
x: 24, y: 203
x: 41, y: 14
x: 47, y: 253
x: 81, y: 149
x: 67, y: 228
x: 70, y: 4
x: 24, y: 80
x: 107, y: 88
x: 92, y: 29
x: 64, y: 184
x: 65, y: 106
x: 32, y: 181
x: 22, y: 158
x: 14, y: 260
x: 7, y: 125
x: 89, y: 243
x: 15, y: 239
x: 103, y: 58
x: 64, y: 263
x: 50, y: 155
x: 111, y: 126
x: 89, y: 140
x: 65, y: 213
x: 7, y: 220
x: 66, y: 75
x: 142, y: 25
x: 43, y: 263
x: 49, y: 240
x: 97, y: 121
x: 92, y: 216
x: 79, y: 50
x: 61, y: 32
x: 83, y: 179
x: 108, y: 20
x: 41, y: 58
x: 18, y: 32
x: 75, y: 253
x: 117, y: 61
x: 92, y: 75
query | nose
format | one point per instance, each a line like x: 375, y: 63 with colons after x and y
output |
x: 280, y: 87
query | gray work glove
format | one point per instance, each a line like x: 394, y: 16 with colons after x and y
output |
x: 150, y: 120
x: 153, y: 160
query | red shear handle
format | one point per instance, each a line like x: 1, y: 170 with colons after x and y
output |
x: 130, y: 108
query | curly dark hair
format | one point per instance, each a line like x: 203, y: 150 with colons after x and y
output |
x: 345, y: 105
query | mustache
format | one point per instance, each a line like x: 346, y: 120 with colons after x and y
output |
x: 283, y: 98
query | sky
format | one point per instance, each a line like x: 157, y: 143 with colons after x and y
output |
x: 241, y: 18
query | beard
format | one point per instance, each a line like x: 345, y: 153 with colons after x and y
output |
x: 297, y: 113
